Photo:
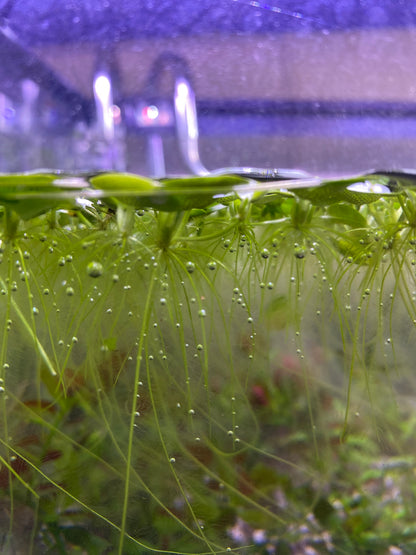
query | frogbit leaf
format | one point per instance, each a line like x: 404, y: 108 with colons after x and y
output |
x: 355, y: 190
x: 345, y: 214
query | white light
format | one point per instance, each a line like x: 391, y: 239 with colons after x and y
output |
x: 102, y: 87
x: 104, y: 104
x: 152, y: 112
x: 185, y: 107
x: 182, y: 89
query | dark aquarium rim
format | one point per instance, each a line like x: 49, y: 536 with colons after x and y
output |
x: 111, y: 21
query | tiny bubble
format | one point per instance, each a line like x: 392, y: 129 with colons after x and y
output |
x: 95, y: 269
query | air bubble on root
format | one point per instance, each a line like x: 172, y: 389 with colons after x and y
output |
x: 300, y: 252
x: 212, y: 265
x: 95, y: 269
x: 190, y: 267
x: 69, y: 291
x: 202, y: 313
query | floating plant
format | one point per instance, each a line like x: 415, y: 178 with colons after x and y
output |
x: 206, y: 365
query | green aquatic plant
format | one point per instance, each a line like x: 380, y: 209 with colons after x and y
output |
x: 206, y: 365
